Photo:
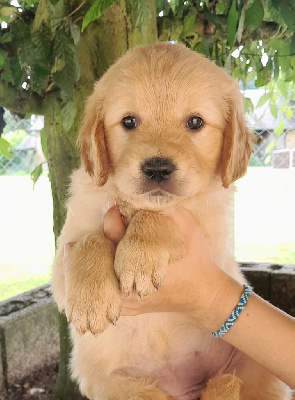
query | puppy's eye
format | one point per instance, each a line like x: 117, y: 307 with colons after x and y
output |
x: 129, y: 122
x: 194, y: 122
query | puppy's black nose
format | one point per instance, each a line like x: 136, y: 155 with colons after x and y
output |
x: 158, y: 169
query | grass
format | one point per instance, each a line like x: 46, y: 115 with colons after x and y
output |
x: 264, y: 216
x: 264, y: 225
x: 27, y: 241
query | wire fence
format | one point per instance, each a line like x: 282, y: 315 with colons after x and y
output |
x: 274, y: 151
x: 25, y: 151
x: 269, y: 150
x: 22, y: 161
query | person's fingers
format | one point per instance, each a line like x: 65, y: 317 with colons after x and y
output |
x: 135, y: 307
x: 114, y: 228
x: 186, y: 222
x: 67, y: 248
x: 130, y: 307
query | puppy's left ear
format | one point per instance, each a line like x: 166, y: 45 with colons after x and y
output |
x: 237, y: 144
x: 91, y: 140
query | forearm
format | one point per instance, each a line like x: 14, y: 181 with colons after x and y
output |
x: 268, y: 336
x: 262, y: 331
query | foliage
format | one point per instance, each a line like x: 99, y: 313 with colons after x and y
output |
x: 14, y: 132
x: 7, y: 142
x: 96, y: 10
x: 5, y: 148
x: 251, y: 38
x: 38, y: 50
x: 15, y: 137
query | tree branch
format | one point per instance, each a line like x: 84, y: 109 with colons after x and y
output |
x: 23, y: 102
x: 168, y: 26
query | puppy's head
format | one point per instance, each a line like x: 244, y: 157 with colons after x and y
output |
x: 166, y: 123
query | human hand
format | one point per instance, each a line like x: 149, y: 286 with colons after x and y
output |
x: 191, y: 284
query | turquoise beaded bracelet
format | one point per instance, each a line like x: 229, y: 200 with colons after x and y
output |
x: 235, y: 313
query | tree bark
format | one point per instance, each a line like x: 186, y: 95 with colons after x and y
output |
x: 101, y: 44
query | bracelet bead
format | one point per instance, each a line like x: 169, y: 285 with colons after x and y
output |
x: 235, y: 313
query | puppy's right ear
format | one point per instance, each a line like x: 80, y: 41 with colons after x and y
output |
x: 91, y: 141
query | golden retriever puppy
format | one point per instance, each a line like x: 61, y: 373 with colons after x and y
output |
x: 163, y: 128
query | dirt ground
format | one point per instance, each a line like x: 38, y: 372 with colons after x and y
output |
x: 38, y: 386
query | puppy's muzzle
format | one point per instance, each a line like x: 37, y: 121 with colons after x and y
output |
x: 157, y: 169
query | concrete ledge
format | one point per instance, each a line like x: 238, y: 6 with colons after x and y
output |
x: 273, y: 282
x: 29, y: 323
x: 28, y: 334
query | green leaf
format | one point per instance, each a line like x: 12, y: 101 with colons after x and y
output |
x: 140, y: 13
x: 68, y: 113
x: 251, y: 75
x: 273, y: 110
x: 42, y: 14
x: 207, y: 45
x: 36, y: 173
x: 35, y: 59
x: 273, y: 7
x: 176, y: 33
x: 280, y: 127
x: 3, y: 55
x: 263, y: 99
x: 20, y: 31
x: 248, y: 105
x: 282, y: 86
x: 287, y: 10
x: 58, y: 65
x: 212, y: 17
x: 264, y: 75
x: 189, y: 22
x: 221, y: 8
x: 6, y: 75
x: 96, y: 10
x: 283, y: 46
x: 17, y: 72
x: 276, y: 64
x: 173, y: 5
x: 75, y: 32
x: 283, y: 106
x: 292, y: 47
x: 241, y: 26
x: 267, y: 159
x: 43, y: 142
x: 64, y: 49
x: 5, y: 37
x: 254, y: 15
x: 232, y: 20
x: 288, y: 112
x: 29, y: 3
x: 5, y: 147
x: 270, y: 146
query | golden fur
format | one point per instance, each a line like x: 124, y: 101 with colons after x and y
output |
x: 143, y: 357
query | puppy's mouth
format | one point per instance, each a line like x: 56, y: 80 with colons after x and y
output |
x: 159, y: 193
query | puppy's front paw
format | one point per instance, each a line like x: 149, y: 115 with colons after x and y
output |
x: 92, y: 306
x: 139, y: 268
x: 92, y: 290
x: 142, y: 257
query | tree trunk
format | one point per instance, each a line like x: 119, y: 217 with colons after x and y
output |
x: 101, y: 44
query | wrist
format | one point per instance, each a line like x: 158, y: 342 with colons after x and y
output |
x: 220, y: 303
